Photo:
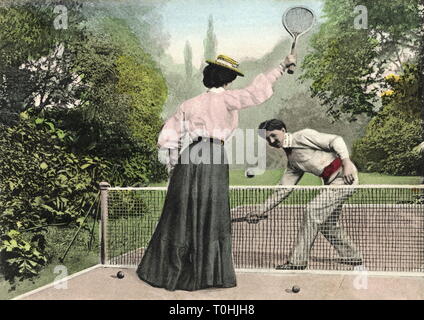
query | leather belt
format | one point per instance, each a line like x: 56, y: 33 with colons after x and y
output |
x: 218, y: 141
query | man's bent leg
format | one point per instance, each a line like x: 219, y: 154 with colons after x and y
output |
x: 331, y: 227
x: 316, y: 213
x: 337, y: 237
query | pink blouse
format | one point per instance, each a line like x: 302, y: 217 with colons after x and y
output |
x: 214, y: 113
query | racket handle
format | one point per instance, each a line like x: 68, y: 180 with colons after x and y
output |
x: 293, y: 48
x: 290, y: 70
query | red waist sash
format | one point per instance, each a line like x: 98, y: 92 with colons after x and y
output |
x: 331, y: 168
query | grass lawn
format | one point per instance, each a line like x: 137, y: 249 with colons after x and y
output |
x: 272, y: 177
x: 78, y: 258
x: 48, y: 274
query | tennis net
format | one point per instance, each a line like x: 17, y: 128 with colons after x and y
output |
x: 383, y: 225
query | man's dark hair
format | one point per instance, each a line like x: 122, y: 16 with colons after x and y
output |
x: 273, y: 124
x: 215, y: 76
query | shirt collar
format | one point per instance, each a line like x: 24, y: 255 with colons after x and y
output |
x: 288, y: 140
x: 216, y: 90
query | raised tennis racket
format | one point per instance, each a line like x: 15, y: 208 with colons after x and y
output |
x: 297, y: 21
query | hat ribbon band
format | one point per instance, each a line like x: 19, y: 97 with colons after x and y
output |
x: 227, y: 63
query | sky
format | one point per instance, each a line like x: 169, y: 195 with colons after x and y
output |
x: 244, y: 28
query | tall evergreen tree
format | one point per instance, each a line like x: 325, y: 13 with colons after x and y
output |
x: 210, y: 43
x: 188, y: 59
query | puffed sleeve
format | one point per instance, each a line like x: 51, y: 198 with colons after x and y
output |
x: 256, y: 93
x: 171, y: 133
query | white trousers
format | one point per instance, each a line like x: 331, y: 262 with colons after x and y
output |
x: 322, y: 215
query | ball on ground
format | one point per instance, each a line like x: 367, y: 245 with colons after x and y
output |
x: 295, y: 289
x: 249, y: 173
x: 120, y: 275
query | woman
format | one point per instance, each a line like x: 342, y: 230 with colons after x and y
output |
x: 191, y: 246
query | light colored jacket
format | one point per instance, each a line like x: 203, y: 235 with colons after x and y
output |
x: 214, y: 113
x: 311, y: 151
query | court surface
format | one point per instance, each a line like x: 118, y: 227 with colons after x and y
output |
x: 101, y: 283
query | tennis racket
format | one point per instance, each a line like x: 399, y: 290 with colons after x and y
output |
x: 263, y: 213
x: 297, y: 21
x: 244, y: 219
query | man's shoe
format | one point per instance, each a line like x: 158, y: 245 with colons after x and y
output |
x: 351, y: 261
x: 290, y: 266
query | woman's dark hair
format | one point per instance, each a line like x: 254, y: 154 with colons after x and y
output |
x: 215, y: 76
x: 273, y: 124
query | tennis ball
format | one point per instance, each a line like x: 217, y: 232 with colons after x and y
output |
x: 249, y: 173
x: 295, y: 289
x: 120, y: 275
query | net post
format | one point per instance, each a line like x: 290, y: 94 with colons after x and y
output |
x: 104, y: 217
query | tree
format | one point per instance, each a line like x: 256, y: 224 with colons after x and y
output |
x: 94, y: 78
x: 119, y: 113
x: 188, y: 60
x: 36, y: 59
x: 96, y: 119
x: 347, y: 64
x: 210, y: 43
x: 391, y: 137
x: 42, y: 183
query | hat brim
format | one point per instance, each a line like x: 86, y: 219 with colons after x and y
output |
x: 225, y: 66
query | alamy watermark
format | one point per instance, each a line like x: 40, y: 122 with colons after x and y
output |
x: 59, y: 281
x: 61, y: 21
x: 244, y: 147
x: 361, y: 20
x: 360, y: 282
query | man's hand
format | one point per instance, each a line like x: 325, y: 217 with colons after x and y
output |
x: 255, y: 218
x: 289, y: 61
x: 349, y: 171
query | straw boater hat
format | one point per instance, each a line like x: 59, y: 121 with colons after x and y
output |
x: 228, y: 63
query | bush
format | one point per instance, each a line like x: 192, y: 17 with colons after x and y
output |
x: 391, y: 137
x: 42, y: 183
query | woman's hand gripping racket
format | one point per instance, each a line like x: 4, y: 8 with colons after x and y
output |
x: 297, y: 21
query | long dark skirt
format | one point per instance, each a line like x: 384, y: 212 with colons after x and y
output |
x: 191, y: 246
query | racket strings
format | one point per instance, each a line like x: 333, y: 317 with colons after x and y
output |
x: 298, y: 20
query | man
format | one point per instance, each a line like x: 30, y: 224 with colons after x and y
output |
x: 326, y: 156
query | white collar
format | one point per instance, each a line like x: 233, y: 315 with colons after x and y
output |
x: 216, y: 90
x: 288, y: 140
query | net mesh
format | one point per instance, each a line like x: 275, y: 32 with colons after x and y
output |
x: 327, y: 227
x: 298, y: 20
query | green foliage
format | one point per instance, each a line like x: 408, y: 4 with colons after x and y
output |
x: 346, y: 64
x: 146, y: 91
x: 91, y: 113
x: 42, y: 183
x: 19, y: 257
x: 26, y: 32
x: 392, y: 135
x: 36, y: 59
x: 125, y: 94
